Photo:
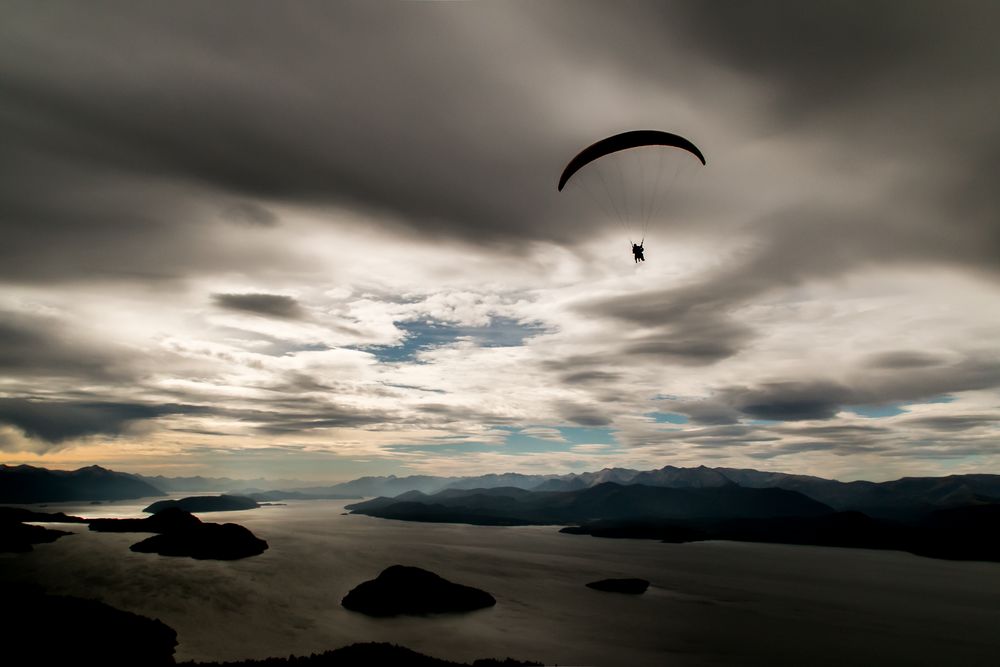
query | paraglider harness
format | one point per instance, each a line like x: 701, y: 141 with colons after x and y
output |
x: 637, y: 250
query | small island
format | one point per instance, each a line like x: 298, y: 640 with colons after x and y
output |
x: 17, y: 536
x: 180, y: 533
x: 223, y: 503
x: 164, y: 521
x: 205, y: 541
x: 410, y: 590
x: 630, y: 586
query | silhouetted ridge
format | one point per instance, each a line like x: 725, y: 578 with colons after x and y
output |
x: 27, y: 484
x: 608, y: 501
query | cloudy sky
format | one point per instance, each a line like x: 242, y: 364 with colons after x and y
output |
x: 321, y: 240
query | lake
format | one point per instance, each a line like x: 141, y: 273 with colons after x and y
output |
x: 709, y: 603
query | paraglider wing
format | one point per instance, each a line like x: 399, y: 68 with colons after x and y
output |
x: 624, y: 141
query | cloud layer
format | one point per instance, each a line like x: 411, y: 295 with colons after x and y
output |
x: 233, y: 230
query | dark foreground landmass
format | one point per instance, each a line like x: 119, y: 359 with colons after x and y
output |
x: 57, y: 630
x: 42, y: 629
x: 410, y: 590
x: 963, y: 533
x: 366, y: 655
x: 221, y: 503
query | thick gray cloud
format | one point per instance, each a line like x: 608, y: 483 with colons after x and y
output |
x: 797, y: 400
x: 400, y: 111
x: 56, y: 421
x: 271, y: 305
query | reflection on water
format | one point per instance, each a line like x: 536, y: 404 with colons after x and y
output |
x: 709, y: 603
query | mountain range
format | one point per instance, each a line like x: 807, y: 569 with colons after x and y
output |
x: 906, y: 497
x: 902, y: 498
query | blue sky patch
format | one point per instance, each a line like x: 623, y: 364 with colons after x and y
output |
x: 668, y: 417
x: 430, y: 334
x: 877, y: 411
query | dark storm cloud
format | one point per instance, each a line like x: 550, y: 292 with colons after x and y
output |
x: 270, y: 305
x: 57, y: 421
x: 698, y: 341
x: 790, y: 401
x: 46, y: 347
x: 828, y: 51
x: 416, y: 110
x: 877, y: 84
x: 444, y: 114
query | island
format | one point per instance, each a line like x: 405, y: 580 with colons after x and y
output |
x: 20, y: 537
x: 631, y: 586
x: 223, y: 503
x: 400, y: 589
x: 205, y: 541
x: 16, y: 536
x: 164, y: 521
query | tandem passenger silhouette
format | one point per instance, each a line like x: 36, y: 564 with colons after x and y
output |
x: 637, y: 250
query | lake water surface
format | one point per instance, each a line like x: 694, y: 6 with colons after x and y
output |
x: 710, y: 603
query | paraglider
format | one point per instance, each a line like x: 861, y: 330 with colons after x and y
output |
x: 622, y: 179
x: 637, y: 251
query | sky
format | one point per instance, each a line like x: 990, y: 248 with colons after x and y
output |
x: 322, y: 240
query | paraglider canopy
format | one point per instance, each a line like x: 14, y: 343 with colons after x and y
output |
x: 631, y: 175
x: 624, y: 141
